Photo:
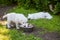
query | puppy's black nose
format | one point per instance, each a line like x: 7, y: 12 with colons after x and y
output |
x: 20, y: 24
x: 29, y: 19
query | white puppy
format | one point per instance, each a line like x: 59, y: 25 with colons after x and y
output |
x: 39, y: 15
x: 16, y: 18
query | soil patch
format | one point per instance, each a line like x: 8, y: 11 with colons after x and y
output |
x: 51, y: 36
x: 4, y: 10
x: 45, y: 35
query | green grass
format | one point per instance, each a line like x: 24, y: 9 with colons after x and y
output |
x: 22, y: 10
x: 52, y: 25
x: 6, y: 34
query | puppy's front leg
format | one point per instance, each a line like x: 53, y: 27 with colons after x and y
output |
x: 17, y: 26
x: 8, y: 25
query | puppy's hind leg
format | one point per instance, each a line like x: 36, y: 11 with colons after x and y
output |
x: 17, y: 26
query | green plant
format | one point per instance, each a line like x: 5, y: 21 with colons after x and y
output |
x: 57, y: 8
x: 4, y: 2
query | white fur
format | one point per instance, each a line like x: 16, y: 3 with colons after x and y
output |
x: 24, y: 25
x: 27, y: 25
x: 16, y: 18
x: 40, y: 15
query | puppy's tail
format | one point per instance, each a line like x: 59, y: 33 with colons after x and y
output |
x: 4, y: 16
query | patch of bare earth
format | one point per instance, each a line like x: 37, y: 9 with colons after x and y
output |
x: 51, y: 36
x: 4, y: 10
x: 45, y: 35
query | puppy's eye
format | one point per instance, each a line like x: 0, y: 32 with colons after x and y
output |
x: 19, y: 23
x: 24, y: 26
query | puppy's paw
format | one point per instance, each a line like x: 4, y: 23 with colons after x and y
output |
x: 17, y: 28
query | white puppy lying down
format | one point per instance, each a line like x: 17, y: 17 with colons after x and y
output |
x: 40, y: 15
x: 16, y: 18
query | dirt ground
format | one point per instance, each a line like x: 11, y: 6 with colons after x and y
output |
x: 4, y: 10
x: 45, y: 36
